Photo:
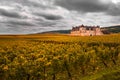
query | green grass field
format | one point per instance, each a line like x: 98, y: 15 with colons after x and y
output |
x: 59, y: 57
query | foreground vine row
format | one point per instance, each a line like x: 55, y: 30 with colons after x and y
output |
x: 57, y: 57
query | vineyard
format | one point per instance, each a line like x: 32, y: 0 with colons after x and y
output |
x: 57, y: 57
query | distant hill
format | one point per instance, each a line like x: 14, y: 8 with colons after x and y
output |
x: 106, y: 30
x: 58, y: 31
x: 112, y: 29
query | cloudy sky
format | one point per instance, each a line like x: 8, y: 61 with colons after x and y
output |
x: 32, y: 16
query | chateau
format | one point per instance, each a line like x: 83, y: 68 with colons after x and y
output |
x: 86, y: 30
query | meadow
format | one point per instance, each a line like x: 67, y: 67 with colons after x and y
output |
x: 59, y: 57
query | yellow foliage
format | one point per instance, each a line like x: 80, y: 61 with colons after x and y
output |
x: 5, y: 67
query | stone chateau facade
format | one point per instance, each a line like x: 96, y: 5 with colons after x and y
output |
x: 86, y: 30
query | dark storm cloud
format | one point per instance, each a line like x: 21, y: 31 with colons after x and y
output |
x: 20, y: 23
x: 36, y: 4
x: 84, y: 5
x: 49, y: 16
x: 11, y: 14
x: 27, y: 16
x: 114, y: 10
x: 47, y: 24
